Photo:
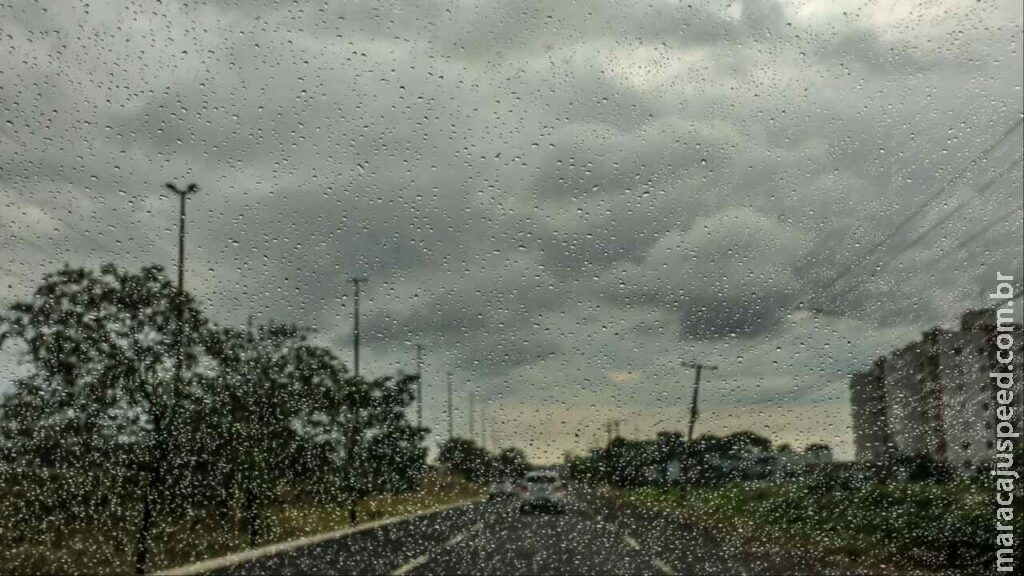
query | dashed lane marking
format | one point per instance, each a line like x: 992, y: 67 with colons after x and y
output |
x: 665, y: 568
x: 420, y: 561
x: 459, y: 538
x: 412, y: 565
x: 631, y: 542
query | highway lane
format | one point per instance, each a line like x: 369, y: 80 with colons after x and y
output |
x: 595, y: 536
x: 377, y: 551
x: 506, y: 542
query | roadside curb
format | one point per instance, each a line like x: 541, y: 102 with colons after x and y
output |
x: 220, y: 562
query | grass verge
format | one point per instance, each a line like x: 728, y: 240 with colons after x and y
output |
x: 922, y: 527
x: 104, y: 547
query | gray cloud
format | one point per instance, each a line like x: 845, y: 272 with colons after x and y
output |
x: 558, y: 199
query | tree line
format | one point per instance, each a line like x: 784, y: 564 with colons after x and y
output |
x: 708, y: 459
x: 135, y: 406
x: 465, y: 458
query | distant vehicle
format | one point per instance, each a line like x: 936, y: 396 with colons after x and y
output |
x: 501, y: 489
x: 542, y: 490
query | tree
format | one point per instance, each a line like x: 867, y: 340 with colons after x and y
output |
x: 102, y: 424
x: 629, y: 462
x: 268, y: 380
x: 397, y: 458
x: 466, y: 459
x: 101, y: 400
x: 747, y: 441
x: 512, y: 463
x: 818, y: 452
x: 394, y: 457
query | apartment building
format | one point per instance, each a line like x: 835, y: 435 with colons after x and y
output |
x: 933, y: 397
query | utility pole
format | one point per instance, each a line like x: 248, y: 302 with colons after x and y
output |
x: 355, y: 324
x: 698, y: 367
x: 483, y: 425
x: 613, y: 429
x: 471, y: 434
x: 419, y: 386
x: 451, y: 422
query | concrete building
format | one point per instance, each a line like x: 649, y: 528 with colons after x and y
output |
x: 911, y: 394
x: 932, y: 398
x: 964, y: 366
x: 871, y: 433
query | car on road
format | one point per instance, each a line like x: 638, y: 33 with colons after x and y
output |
x: 543, y: 491
x: 501, y: 489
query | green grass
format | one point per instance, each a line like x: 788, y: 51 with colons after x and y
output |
x: 105, y: 545
x: 922, y: 526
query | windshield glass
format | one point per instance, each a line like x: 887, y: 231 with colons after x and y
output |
x: 307, y: 280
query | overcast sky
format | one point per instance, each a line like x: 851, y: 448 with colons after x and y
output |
x: 561, y: 201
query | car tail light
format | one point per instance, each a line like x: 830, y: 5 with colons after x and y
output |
x: 560, y: 488
x: 522, y: 488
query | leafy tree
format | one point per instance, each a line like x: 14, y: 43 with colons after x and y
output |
x: 397, y: 458
x: 465, y: 458
x: 390, y: 454
x: 511, y: 463
x: 586, y: 469
x: 747, y: 441
x: 100, y: 403
x: 629, y: 462
x: 268, y: 380
x: 106, y: 427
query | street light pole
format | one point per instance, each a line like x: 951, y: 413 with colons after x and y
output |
x: 355, y: 325
x: 483, y: 425
x: 163, y: 414
x: 698, y: 367
x: 354, y: 423
x: 419, y: 386
x: 451, y: 422
x: 180, y: 328
x: 471, y: 431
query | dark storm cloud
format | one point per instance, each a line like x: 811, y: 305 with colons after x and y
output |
x: 549, y: 196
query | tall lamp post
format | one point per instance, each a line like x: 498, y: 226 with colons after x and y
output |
x: 419, y: 386
x: 179, y: 336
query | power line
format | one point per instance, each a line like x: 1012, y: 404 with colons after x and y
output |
x: 923, y: 206
x: 964, y: 202
x: 977, y: 234
x: 921, y: 236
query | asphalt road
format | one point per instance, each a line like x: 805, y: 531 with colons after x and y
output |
x: 593, y: 537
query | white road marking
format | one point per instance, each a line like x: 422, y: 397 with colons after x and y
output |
x: 213, y: 564
x: 459, y: 538
x: 631, y: 542
x: 412, y: 565
x: 417, y: 562
x: 665, y: 568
